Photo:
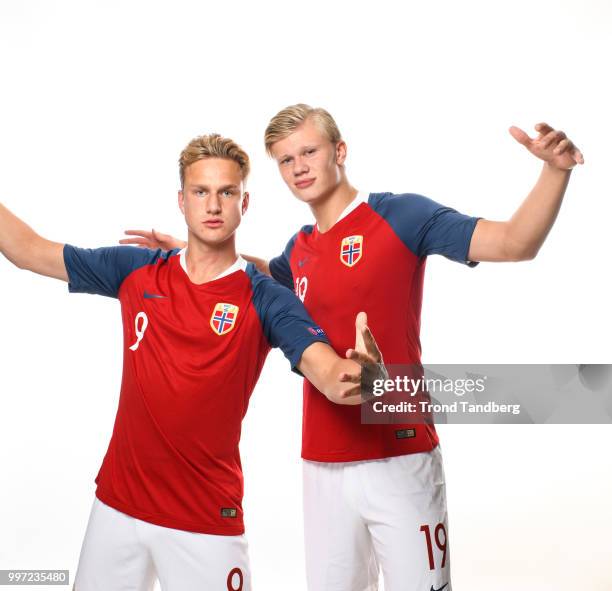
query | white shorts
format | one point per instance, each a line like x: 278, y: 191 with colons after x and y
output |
x: 388, y: 514
x: 122, y: 553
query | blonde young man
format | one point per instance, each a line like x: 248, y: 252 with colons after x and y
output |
x: 198, y: 325
x: 374, y: 494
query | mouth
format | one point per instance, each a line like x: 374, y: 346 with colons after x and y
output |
x: 213, y: 223
x: 304, y: 183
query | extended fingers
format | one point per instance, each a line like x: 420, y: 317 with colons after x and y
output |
x: 566, y: 145
x: 520, y: 136
x: 371, y: 345
x: 351, y: 396
x: 552, y: 136
x: 144, y: 233
x: 359, y: 357
x: 563, y: 145
x: 137, y: 241
x: 543, y: 128
x: 577, y: 155
x: 352, y: 378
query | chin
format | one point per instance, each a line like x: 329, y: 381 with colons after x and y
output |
x: 213, y: 238
x: 308, y: 195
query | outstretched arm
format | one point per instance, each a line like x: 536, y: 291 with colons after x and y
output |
x: 341, y: 379
x: 521, y: 237
x: 27, y: 250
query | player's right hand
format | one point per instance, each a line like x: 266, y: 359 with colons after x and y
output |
x: 152, y: 239
x: 368, y: 355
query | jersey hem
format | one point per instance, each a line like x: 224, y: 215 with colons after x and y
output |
x: 346, y: 457
x: 164, y: 521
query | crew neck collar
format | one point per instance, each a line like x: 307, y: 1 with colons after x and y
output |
x: 239, y: 265
x: 360, y: 198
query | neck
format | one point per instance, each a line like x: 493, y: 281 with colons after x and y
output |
x: 328, y: 209
x: 204, y: 261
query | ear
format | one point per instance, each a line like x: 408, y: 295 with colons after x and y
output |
x: 340, y: 152
x: 245, y: 202
x: 181, y: 201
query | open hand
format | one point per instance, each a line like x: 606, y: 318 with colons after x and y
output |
x: 152, y: 239
x: 367, y: 354
x: 551, y: 145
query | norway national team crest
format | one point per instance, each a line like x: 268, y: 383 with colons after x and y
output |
x: 223, y: 318
x: 351, y: 250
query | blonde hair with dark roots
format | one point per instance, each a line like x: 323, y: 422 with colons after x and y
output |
x: 213, y: 146
x: 285, y: 122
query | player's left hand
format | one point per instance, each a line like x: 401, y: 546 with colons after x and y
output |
x: 551, y: 145
x: 367, y: 354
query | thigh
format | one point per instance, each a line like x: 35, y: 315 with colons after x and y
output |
x: 189, y: 561
x: 339, y: 553
x: 112, y: 557
x: 407, y: 518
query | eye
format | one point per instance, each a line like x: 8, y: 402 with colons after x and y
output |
x: 199, y: 192
x: 228, y: 193
x: 310, y: 151
x: 285, y: 160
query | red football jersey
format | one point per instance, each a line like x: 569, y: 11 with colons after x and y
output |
x: 192, y: 356
x: 372, y: 259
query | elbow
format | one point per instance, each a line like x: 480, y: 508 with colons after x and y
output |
x: 522, y: 255
x: 527, y: 254
x: 517, y: 253
x: 19, y: 262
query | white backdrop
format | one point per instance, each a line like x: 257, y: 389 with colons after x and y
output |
x: 97, y: 100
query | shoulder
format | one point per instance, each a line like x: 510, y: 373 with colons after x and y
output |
x: 263, y: 284
x: 390, y: 205
x: 307, y: 229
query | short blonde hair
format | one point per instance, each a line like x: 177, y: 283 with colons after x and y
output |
x: 213, y: 146
x: 285, y: 122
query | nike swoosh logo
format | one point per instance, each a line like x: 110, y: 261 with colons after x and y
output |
x: 440, y: 589
x: 153, y: 296
x: 302, y: 262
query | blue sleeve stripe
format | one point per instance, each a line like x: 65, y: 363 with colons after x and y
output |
x: 284, y: 320
x: 280, y: 267
x: 426, y: 227
x: 102, y: 271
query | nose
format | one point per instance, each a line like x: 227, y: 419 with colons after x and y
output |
x: 213, y: 204
x: 300, y: 166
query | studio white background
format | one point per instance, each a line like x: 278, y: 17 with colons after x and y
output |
x: 98, y: 99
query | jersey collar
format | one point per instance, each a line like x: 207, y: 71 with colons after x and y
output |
x: 360, y: 198
x: 239, y: 265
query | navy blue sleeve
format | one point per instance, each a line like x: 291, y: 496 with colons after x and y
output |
x: 426, y: 227
x: 101, y: 271
x: 279, y: 266
x: 285, y: 322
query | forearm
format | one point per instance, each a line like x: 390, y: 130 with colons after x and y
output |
x: 27, y: 250
x: 532, y: 221
x: 322, y: 367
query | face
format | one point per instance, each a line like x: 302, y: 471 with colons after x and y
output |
x: 212, y: 199
x: 309, y: 163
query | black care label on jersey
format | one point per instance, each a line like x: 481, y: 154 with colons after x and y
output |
x: 405, y: 433
x: 225, y: 512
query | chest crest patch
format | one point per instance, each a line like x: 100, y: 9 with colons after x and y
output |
x: 223, y: 318
x: 351, y: 250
